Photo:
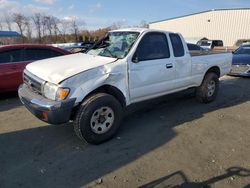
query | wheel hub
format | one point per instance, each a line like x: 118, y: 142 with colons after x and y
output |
x: 211, y: 88
x: 102, y: 120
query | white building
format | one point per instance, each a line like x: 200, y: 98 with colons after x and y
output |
x: 228, y: 25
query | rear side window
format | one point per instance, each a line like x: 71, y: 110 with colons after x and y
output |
x: 39, y: 54
x: 10, y: 56
x: 153, y: 46
x: 177, y: 45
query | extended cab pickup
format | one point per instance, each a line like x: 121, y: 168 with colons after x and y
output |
x: 125, y: 67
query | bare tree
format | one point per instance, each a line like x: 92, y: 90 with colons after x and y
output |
x: 44, y: 24
x: 49, y: 24
x: 37, y: 19
x: 55, y: 30
x: 8, y: 22
x: 116, y: 25
x: 75, y: 29
x: 64, y: 25
x: 28, y: 26
x: 20, y: 19
x: 50, y: 27
x: 143, y: 24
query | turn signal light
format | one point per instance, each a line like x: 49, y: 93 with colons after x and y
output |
x: 62, y: 93
x: 45, y: 116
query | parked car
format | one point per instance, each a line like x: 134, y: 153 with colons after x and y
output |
x: 126, y: 67
x: 241, y: 61
x: 84, y: 47
x: 14, y: 58
x: 242, y: 42
x: 210, y: 44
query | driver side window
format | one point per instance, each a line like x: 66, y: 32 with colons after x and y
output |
x: 153, y: 46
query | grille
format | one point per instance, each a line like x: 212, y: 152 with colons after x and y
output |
x: 34, y: 84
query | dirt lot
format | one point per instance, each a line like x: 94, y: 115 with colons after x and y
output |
x: 162, y: 143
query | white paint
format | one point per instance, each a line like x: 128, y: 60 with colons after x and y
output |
x: 137, y: 81
x: 57, y: 69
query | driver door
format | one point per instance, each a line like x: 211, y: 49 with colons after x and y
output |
x: 152, y: 70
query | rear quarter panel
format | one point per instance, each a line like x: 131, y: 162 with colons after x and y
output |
x: 201, y: 64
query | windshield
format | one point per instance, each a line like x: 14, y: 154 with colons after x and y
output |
x: 115, y: 44
x: 243, y: 50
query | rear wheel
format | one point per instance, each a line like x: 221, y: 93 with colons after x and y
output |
x: 208, y: 90
x: 98, y: 118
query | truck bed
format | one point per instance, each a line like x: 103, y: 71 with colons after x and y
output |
x: 199, y: 53
x: 202, y: 62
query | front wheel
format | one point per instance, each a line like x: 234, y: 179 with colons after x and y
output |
x: 208, y: 90
x: 98, y: 118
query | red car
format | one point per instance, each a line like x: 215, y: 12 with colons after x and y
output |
x: 14, y: 58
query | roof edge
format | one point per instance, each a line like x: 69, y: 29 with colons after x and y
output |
x: 201, y: 12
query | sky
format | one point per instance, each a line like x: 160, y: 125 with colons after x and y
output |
x: 94, y: 14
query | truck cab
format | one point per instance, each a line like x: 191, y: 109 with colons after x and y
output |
x: 125, y: 67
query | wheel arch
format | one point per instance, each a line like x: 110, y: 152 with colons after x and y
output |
x: 214, y: 69
x: 112, y: 90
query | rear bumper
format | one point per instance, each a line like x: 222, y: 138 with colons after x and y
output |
x: 53, y: 112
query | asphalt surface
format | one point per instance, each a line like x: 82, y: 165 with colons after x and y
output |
x: 173, y: 141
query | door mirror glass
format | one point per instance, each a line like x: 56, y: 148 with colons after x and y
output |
x: 135, y: 58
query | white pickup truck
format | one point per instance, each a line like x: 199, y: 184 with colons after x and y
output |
x: 127, y: 66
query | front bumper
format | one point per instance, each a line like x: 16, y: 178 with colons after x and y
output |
x: 240, y: 70
x: 53, y: 112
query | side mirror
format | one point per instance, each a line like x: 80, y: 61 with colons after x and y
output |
x: 135, y: 58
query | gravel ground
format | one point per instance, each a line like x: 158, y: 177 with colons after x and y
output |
x: 173, y: 141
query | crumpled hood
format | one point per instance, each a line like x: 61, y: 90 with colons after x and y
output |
x: 58, y: 69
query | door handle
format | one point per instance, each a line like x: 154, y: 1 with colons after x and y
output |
x: 169, y: 65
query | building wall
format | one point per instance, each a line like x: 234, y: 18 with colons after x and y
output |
x: 227, y: 25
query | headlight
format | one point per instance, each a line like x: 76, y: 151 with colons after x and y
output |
x: 53, y: 92
x: 49, y: 90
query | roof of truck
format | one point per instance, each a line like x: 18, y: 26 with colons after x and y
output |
x: 141, y: 30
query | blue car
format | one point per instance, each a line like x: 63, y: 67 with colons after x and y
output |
x: 241, y: 61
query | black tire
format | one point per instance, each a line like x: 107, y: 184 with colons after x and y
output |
x: 82, y: 122
x: 203, y: 94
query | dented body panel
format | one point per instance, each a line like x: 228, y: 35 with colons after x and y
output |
x: 112, y: 74
x: 136, y: 80
x: 55, y: 70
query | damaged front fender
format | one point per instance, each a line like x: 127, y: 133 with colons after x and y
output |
x: 114, y: 75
